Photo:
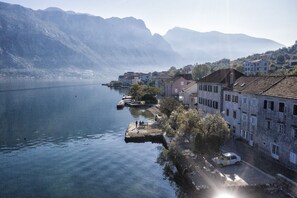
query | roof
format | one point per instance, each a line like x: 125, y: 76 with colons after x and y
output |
x: 275, y: 86
x: 185, y: 76
x: 221, y: 76
x: 255, y: 84
x: 190, y: 85
x: 286, y: 88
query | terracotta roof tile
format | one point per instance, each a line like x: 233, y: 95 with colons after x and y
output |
x: 255, y: 84
x: 287, y: 88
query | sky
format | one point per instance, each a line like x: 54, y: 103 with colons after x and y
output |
x: 271, y: 19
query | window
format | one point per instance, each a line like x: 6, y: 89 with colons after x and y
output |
x: 244, y: 117
x: 244, y: 100
x: 281, y: 128
x: 281, y: 107
x: 293, y: 158
x: 275, y: 151
x: 234, y: 114
x: 227, y: 112
x: 253, y: 120
x: 216, y: 89
x: 254, y: 102
x: 294, y: 109
x: 215, y: 104
x: 268, y: 124
x: 209, y: 88
x: 209, y: 103
x: 204, y: 87
x: 182, y: 83
x: 200, y: 87
x: 294, y: 133
x: 226, y: 97
x: 265, y: 104
x: 236, y: 99
x: 271, y: 105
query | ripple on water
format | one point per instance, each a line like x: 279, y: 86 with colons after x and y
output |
x: 103, y: 164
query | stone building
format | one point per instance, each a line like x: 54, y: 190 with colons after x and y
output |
x: 266, y: 114
x: 211, y: 87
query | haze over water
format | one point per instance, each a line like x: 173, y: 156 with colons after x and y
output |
x: 68, y: 141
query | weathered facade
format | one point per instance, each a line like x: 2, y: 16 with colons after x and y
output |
x: 277, y: 132
x: 267, y: 108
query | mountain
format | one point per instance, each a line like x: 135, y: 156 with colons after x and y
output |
x: 212, y: 46
x: 54, y: 40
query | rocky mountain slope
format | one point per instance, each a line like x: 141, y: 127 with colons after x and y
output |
x: 212, y: 46
x: 52, y: 39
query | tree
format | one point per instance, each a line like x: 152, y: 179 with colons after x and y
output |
x: 144, y: 92
x: 293, y: 72
x: 168, y: 105
x: 200, y: 71
x: 172, y: 71
x: 280, y: 59
x: 136, y: 91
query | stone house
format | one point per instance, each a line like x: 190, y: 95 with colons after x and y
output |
x: 211, y: 87
x: 248, y: 90
x: 266, y: 115
x: 277, y: 131
x: 175, y: 85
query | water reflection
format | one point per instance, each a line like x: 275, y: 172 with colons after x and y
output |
x: 58, y: 114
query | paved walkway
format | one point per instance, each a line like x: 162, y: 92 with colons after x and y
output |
x: 259, y: 159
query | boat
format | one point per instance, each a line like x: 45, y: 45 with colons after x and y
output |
x: 121, y: 104
x: 127, y: 99
x: 137, y: 104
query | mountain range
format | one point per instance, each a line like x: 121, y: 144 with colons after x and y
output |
x: 52, y: 41
x: 213, y: 46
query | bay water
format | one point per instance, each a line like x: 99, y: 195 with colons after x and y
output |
x: 66, y: 139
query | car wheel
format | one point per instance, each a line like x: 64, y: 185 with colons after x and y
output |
x: 237, y: 163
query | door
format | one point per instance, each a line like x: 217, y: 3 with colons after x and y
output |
x: 275, y: 151
x: 251, y: 141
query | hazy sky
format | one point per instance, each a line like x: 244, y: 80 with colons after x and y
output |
x: 272, y: 19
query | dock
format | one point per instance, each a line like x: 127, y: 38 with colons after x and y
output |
x: 146, y: 132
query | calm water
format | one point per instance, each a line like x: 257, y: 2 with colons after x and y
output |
x: 68, y: 141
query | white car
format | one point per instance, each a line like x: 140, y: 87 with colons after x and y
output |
x: 227, y: 159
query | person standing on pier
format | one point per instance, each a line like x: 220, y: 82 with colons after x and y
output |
x: 136, y: 123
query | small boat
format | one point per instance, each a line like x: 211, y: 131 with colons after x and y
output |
x: 137, y: 104
x: 121, y: 104
x: 127, y: 99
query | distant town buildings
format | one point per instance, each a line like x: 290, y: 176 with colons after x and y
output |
x: 132, y: 78
x: 260, y: 66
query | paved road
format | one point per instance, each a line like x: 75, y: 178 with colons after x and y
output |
x: 259, y: 160
x: 244, y: 174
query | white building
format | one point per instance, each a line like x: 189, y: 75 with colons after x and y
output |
x: 254, y: 67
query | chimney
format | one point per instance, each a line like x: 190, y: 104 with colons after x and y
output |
x: 232, y: 77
